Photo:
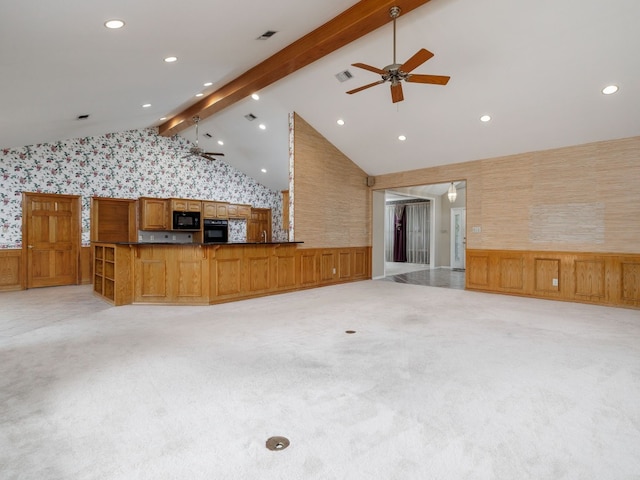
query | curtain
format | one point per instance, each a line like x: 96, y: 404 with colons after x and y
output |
x: 399, y: 236
x: 390, y: 227
x: 417, y: 232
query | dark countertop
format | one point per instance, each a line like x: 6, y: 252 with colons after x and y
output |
x: 201, y: 244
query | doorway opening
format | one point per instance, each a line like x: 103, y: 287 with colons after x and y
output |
x: 423, y: 235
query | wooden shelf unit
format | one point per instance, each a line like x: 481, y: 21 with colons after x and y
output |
x: 112, y: 272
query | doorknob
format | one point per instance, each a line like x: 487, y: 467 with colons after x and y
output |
x: 29, y: 246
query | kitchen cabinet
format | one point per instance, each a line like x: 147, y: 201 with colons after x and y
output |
x: 239, y: 211
x: 113, y: 220
x: 185, y: 205
x: 175, y: 274
x: 215, y: 210
x: 154, y: 213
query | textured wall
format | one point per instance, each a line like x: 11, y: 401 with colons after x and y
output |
x: 123, y: 165
x: 584, y: 198
x: 332, y: 204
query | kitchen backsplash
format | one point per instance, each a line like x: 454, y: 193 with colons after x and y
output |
x: 129, y: 164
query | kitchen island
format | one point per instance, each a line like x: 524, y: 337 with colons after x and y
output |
x: 209, y: 273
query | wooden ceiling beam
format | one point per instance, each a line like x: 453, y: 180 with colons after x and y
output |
x: 355, y: 22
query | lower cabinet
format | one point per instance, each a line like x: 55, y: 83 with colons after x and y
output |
x: 171, y: 274
x: 207, y: 274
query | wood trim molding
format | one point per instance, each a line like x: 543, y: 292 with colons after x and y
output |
x: 355, y: 22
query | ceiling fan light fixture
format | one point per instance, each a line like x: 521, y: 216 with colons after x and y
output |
x: 170, y: 59
x: 485, y: 118
x: 262, y: 126
x: 452, y: 194
x: 398, y: 73
x: 610, y: 89
x: 220, y: 142
x: 402, y: 138
x: 340, y: 122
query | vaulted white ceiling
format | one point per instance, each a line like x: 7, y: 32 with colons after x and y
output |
x: 537, y: 68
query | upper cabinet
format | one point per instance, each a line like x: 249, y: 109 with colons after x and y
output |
x: 185, y: 205
x: 154, y: 213
x: 215, y: 209
x: 239, y: 211
x: 113, y: 220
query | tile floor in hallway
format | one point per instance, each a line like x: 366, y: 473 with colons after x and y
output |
x: 432, y: 277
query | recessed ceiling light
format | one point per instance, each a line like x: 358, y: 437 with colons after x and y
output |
x: 146, y: 105
x: 340, y: 121
x: 199, y: 94
x: 264, y: 170
x: 255, y: 96
x: 208, y: 84
x: 610, y: 89
x: 402, y: 138
x: 485, y: 118
x: 114, y: 24
x: 163, y: 118
x: 220, y: 142
x: 171, y: 59
x: 262, y: 126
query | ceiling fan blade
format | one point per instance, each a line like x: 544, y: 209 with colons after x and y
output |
x: 370, y: 68
x: 434, y: 79
x: 356, y: 90
x: 418, y: 59
x: 396, y: 93
x: 204, y: 155
x: 214, y: 154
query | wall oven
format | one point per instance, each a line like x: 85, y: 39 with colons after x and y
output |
x: 215, y: 231
x: 186, y: 221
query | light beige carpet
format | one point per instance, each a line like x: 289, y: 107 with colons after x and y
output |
x: 434, y: 384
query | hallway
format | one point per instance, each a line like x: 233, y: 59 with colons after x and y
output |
x: 415, y: 274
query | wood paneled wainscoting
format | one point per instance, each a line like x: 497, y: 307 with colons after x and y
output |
x: 12, y: 268
x: 598, y: 278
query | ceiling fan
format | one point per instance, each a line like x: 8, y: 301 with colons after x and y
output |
x: 197, y: 151
x: 396, y: 73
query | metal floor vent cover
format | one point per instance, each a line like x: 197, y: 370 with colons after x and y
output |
x: 277, y: 443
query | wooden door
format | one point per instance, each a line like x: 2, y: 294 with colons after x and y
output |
x: 259, y: 224
x: 51, y: 239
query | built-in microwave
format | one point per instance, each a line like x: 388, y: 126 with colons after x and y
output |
x: 186, y: 221
x: 215, y: 231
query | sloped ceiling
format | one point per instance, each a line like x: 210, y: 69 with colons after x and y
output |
x: 536, y: 67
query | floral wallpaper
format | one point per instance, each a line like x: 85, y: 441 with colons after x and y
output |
x: 129, y: 164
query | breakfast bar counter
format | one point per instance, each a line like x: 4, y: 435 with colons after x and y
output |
x: 209, y: 273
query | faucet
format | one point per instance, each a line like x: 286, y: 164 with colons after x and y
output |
x: 264, y: 236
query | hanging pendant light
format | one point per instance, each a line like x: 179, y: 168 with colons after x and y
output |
x: 452, y: 194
